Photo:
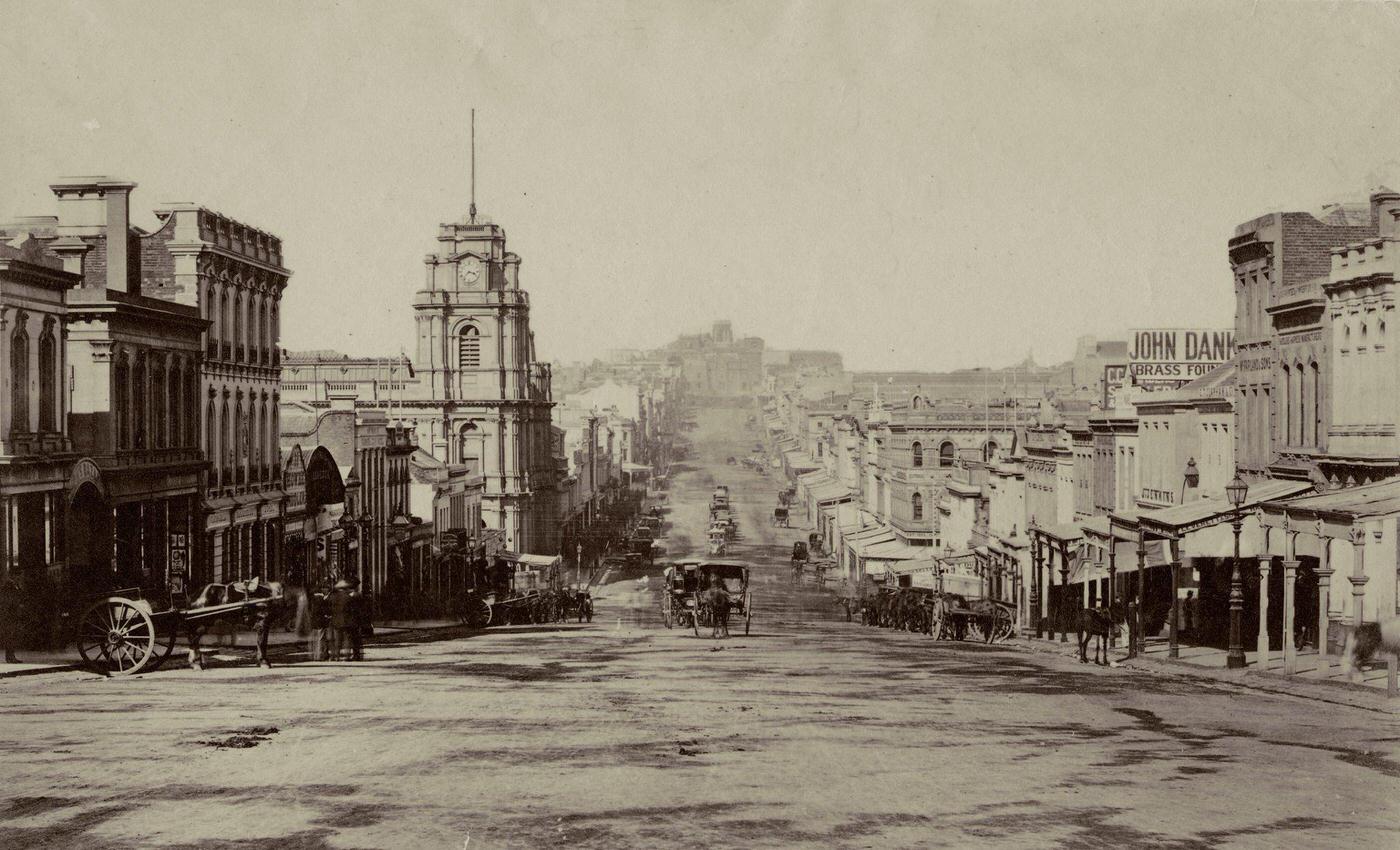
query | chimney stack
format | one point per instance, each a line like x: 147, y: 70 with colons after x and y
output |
x: 93, y: 210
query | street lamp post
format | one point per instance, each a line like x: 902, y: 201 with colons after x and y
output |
x: 1236, y: 491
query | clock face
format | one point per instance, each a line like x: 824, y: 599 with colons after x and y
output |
x: 468, y: 273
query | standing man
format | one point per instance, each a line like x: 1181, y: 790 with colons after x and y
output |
x: 361, y: 622
x: 12, y: 616
x: 342, y: 618
x: 1188, y: 611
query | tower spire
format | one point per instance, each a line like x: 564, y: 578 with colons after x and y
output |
x: 471, y: 211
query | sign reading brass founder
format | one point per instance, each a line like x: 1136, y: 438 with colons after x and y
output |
x: 1172, y: 357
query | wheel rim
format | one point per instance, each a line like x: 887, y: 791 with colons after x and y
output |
x: 116, y: 637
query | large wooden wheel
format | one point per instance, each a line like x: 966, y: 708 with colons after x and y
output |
x: 1000, y: 625
x: 748, y: 620
x: 668, y: 616
x: 937, y: 617
x: 117, y: 637
x: 476, y: 613
x: 695, y: 618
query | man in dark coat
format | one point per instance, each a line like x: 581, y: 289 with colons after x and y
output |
x: 342, y: 606
x: 12, y: 616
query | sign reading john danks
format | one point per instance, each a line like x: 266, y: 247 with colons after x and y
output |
x: 1178, y: 354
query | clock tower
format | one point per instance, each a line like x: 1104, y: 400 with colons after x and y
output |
x: 489, y: 400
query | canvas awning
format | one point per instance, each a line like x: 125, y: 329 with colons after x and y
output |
x: 894, y: 550
x: 832, y: 492
x: 1203, y: 513
x: 537, y: 561
x: 797, y: 460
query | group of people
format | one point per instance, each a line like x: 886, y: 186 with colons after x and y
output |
x: 339, y: 618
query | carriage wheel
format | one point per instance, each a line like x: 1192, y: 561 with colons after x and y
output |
x: 476, y: 613
x: 668, y: 617
x: 936, y: 619
x: 1000, y: 627
x: 695, y: 620
x: 116, y: 638
x: 748, y: 620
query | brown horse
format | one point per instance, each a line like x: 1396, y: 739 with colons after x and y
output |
x: 1099, y: 623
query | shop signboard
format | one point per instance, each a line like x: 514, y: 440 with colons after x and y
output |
x: 1169, y: 357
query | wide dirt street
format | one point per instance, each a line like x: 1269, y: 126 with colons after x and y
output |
x: 809, y: 731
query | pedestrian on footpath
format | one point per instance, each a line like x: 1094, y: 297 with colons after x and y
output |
x: 319, y: 613
x: 1188, y: 612
x: 12, y: 615
x: 342, y: 617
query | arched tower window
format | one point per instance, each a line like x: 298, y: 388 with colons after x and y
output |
x: 989, y: 451
x: 48, y: 379
x: 918, y: 502
x: 211, y: 432
x: 468, y: 348
x: 19, y: 378
x: 946, y: 455
x: 918, y: 454
x: 470, y: 444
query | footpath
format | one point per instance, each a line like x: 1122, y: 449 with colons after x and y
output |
x: 33, y: 662
x: 1320, y: 681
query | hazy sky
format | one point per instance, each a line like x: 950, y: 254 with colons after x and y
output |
x: 918, y: 185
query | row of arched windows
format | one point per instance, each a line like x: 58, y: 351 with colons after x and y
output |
x: 240, y: 317
x: 948, y: 453
x: 240, y: 439
x: 23, y: 378
x: 154, y: 396
x: 1302, y: 408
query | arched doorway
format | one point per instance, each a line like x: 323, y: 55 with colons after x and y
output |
x: 89, y: 540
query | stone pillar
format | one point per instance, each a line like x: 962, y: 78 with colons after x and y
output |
x: 1263, y: 639
x: 1290, y: 649
x: 1064, y: 593
x: 1358, y: 577
x: 1324, y: 582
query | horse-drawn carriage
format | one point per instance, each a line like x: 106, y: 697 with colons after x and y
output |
x: 684, y: 598
x: 719, y: 542
x: 720, y: 499
x: 124, y: 632
x: 781, y: 517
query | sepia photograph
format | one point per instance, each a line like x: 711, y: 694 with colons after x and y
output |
x: 927, y: 424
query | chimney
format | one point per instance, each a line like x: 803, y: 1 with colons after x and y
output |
x: 97, y: 208
x: 1385, y: 208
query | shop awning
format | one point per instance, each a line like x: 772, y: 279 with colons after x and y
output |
x: 1183, y: 519
x: 832, y: 492
x: 1065, y: 532
x: 894, y: 550
x: 537, y: 561
x: 798, y: 461
x: 861, y: 543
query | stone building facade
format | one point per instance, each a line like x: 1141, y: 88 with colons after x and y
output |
x: 234, y: 274
x: 474, y: 392
x: 131, y: 496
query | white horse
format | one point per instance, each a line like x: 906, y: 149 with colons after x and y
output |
x: 1365, y: 641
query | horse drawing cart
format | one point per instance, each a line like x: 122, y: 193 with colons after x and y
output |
x: 961, y: 610
x: 124, y: 633
x: 733, y: 576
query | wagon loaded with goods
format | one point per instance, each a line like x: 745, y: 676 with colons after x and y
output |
x: 955, y: 609
x: 516, y: 589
